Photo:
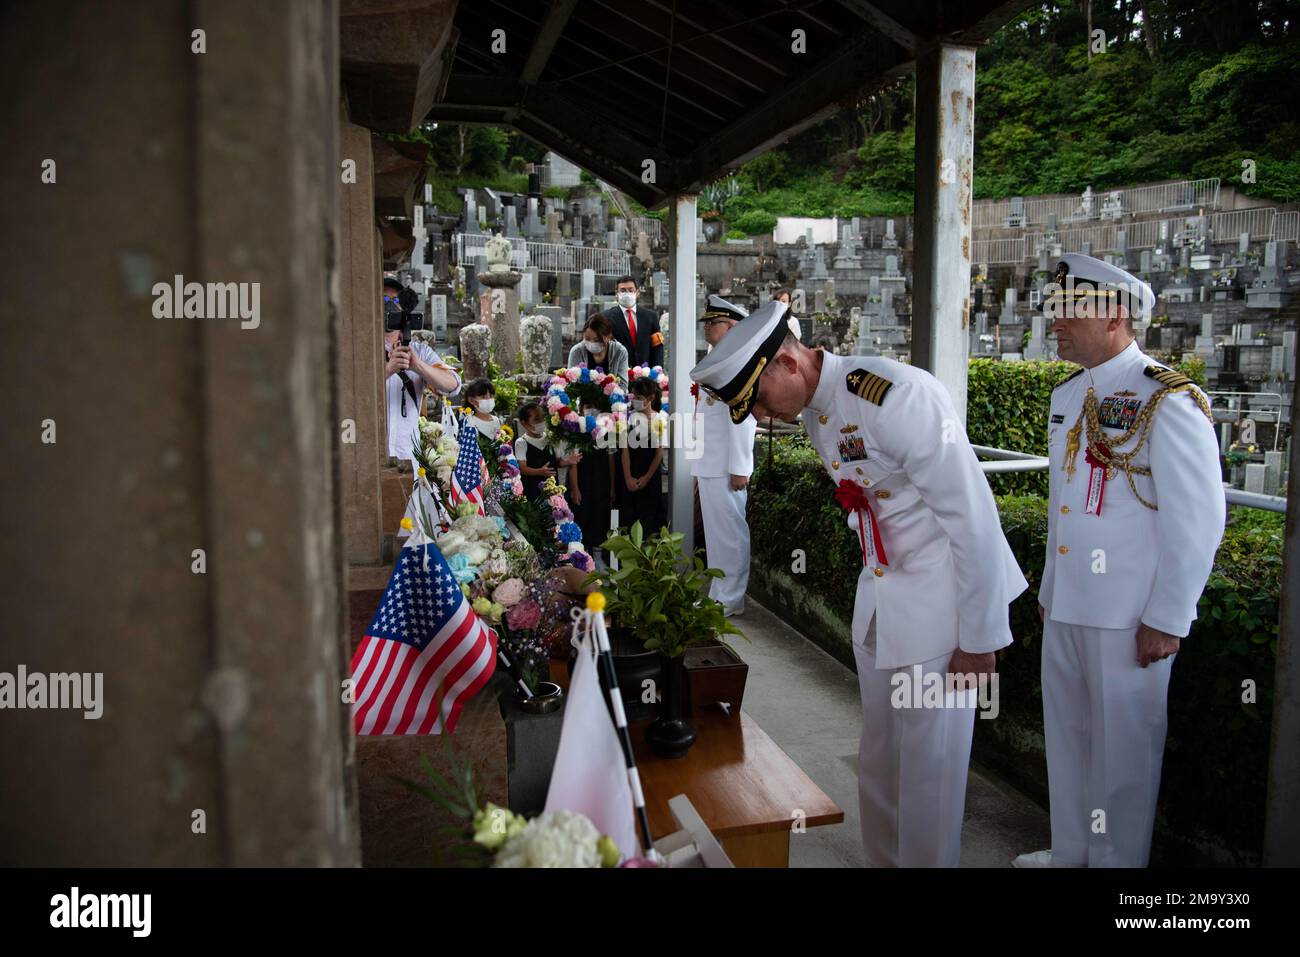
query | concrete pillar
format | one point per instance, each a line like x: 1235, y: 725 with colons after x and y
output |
x: 360, y: 355
x: 945, y: 136
x: 681, y: 357
x: 221, y: 691
x: 1281, y: 823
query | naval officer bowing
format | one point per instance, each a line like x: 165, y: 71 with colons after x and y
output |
x: 1135, y: 514
x: 937, y: 572
x: 722, y: 473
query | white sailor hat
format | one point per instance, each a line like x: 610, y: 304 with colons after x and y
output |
x: 1080, y: 277
x: 718, y: 308
x: 731, y: 369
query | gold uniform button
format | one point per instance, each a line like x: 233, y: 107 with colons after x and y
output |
x: 1065, y: 510
x: 882, y: 493
x: 880, y: 573
x: 822, y: 419
x: 1062, y: 549
x: 867, y: 482
x: 835, y: 464
x: 858, y: 470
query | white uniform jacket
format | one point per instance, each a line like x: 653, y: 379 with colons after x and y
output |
x: 725, y: 448
x: 1131, y: 564
x: 950, y: 573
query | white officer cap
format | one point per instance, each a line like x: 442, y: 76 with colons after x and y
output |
x: 731, y: 369
x: 718, y: 308
x: 1081, y: 277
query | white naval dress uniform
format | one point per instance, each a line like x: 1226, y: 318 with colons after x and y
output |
x: 944, y: 581
x: 1104, y: 716
x: 725, y: 450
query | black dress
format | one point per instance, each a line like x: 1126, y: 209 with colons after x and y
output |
x: 593, y: 514
x: 535, y: 458
x: 645, y: 504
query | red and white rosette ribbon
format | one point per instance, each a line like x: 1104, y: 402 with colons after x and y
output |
x: 853, y: 497
x: 1096, y: 483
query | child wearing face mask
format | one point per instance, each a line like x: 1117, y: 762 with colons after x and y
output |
x: 642, y: 458
x: 537, y: 463
x: 481, y: 397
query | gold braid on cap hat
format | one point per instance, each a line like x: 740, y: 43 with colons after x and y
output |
x: 1102, y: 446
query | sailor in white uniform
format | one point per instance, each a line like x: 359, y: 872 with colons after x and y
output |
x: 722, y: 473
x: 937, y: 572
x: 1135, y: 516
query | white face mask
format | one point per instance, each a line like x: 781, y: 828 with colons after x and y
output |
x: 627, y: 299
x: 638, y: 405
x: 536, y: 441
x: 486, y: 405
x: 593, y: 347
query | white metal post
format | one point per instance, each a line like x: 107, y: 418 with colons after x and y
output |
x: 681, y: 358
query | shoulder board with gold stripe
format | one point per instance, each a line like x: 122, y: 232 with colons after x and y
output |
x: 868, y: 385
x: 1169, y: 378
x: 1077, y: 372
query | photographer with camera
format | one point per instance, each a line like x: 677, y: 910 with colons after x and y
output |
x: 408, y: 368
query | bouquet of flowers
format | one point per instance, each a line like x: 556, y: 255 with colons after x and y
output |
x: 435, y: 451
x: 568, y: 535
x: 504, y: 480
x: 535, y: 339
x: 569, y: 392
x: 553, y: 839
x: 471, y: 541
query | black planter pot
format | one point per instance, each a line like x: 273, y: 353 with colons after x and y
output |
x: 671, y: 735
x: 633, y: 666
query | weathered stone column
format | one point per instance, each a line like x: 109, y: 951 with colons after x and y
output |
x: 945, y: 142
x: 171, y: 504
x: 360, y: 352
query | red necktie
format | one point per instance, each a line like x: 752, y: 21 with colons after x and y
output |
x: 631, y: 327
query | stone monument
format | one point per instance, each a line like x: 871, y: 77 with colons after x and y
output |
x: 499, y: 303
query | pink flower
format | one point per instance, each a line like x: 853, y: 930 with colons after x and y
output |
x: 610, y: 386
x: 524, y: 616
x: 517, y: 486
x: 557, y: 501
x: 572, y: 374
x: 510, y: 592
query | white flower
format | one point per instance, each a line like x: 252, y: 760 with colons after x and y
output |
x: 555, y: 839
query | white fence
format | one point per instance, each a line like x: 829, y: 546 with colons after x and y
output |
x: 1286, y: 226
x: 547, y: 257
x: 996, y: 252
x: 653, y: 229
x: 1188, y: 194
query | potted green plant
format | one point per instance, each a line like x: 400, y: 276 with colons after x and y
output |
x: 662, y: 597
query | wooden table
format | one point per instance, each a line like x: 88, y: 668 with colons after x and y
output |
x: 744, y: 786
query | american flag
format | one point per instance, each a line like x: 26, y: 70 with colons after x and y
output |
x: 424, y: 643
x: 467, y: 476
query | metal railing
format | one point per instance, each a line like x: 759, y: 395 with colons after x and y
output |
x: 1227, y: 227
x: 1286, y: 226
x: 1004, y: 460
x: 1189, y: 194
x: 653, y: 229
x: 547, y: 257
x: 998, y: 251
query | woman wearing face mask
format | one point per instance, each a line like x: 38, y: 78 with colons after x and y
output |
x: 642, y: 457
x: 537, y: 463
x: 599, y: 350
x: 481, y: 397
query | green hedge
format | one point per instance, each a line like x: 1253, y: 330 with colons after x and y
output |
x: 1006, y: 407
x: 1212, y: 804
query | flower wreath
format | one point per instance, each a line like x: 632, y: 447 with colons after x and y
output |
x: 569, y: 391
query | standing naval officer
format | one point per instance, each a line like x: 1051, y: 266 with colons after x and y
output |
x: 937, y: 572
x: 722, y: 472
x: 1135, y: 515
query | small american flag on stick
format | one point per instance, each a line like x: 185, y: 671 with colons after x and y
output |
x: 425, y: 653
x: 467, y: 476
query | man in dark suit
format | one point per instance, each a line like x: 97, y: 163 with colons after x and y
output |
x: 636, y: 328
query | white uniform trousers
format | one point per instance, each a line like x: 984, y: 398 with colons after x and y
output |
x: 912, y: 765
x: 1104, y: 724
x: 727, y: 539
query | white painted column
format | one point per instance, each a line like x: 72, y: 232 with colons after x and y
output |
x: 945, y: 138
x: 681, y: 358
